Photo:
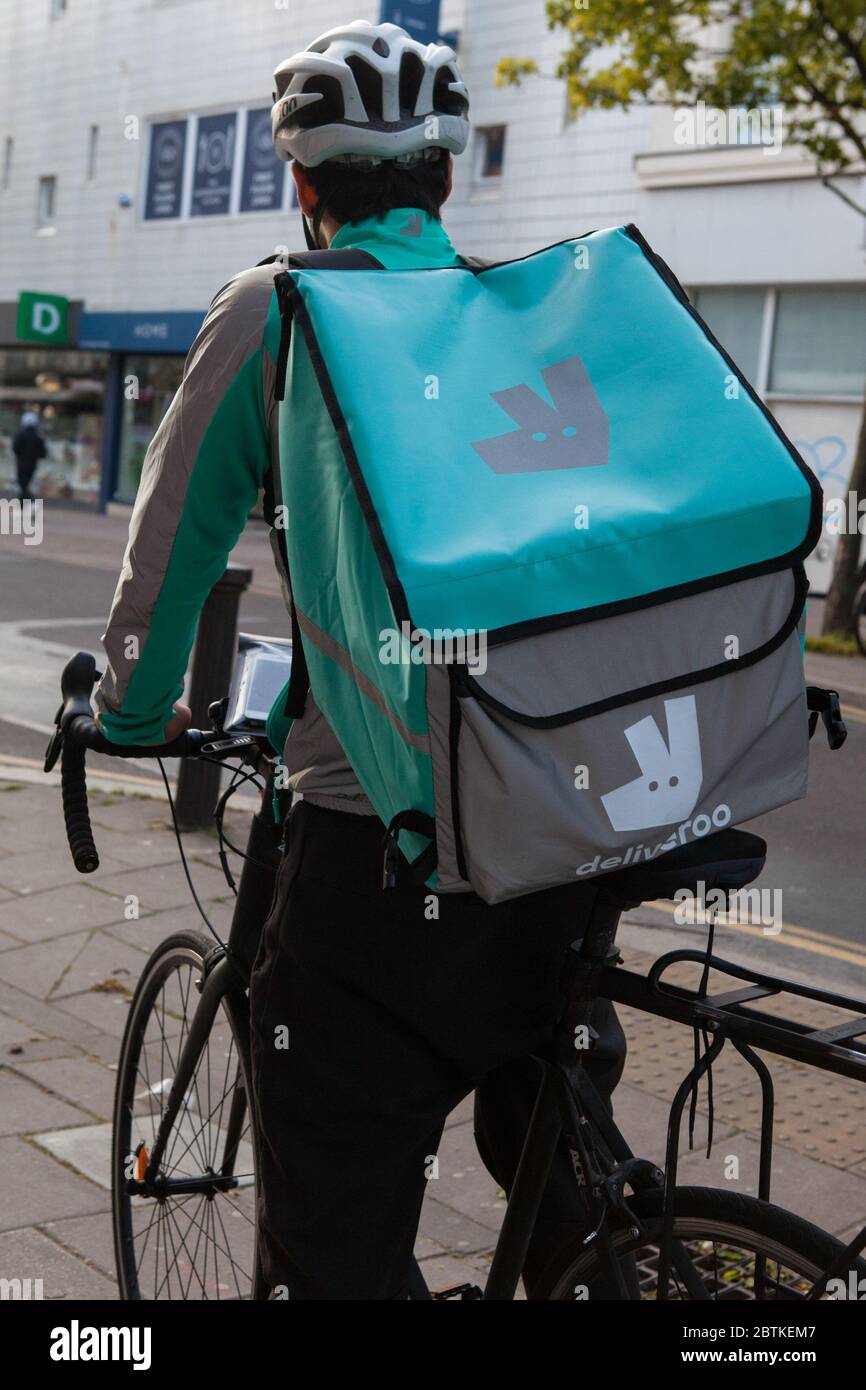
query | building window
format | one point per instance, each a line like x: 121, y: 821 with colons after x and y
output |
x: 735, y: 315
x: 232, y: 167
x: 491, y: 152
x: 7, y: 161
x: 46, y: 201
x: 819, y: 343
x: 58, y: 8
x: 92, y: 148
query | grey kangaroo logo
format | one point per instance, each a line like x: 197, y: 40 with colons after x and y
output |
x: 413, y: 226
x: 571, y: 433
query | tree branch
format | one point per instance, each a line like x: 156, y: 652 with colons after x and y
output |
x: 844, y: 196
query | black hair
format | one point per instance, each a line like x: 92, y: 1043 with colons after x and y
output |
x: 352, y: 195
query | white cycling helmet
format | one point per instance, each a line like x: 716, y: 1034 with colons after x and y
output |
x: 363, y: 93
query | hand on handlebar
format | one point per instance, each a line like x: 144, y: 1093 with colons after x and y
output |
x: 179, y: 724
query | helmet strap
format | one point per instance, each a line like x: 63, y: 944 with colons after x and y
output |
x: 308, y: 235
x: 318, y: 213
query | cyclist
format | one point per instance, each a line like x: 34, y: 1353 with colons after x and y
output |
x: 394, y: 1014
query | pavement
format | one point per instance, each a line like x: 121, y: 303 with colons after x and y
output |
x: 70, y: 956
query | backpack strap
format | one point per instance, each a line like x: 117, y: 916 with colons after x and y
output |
x: 343, y: 258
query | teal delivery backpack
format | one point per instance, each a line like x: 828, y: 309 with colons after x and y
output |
x: 545, y: 546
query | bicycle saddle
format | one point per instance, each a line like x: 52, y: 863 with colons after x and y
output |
x: 727, y: 860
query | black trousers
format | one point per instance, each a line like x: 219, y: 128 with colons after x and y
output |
x: 25, y: 468
x: 372, y: 1017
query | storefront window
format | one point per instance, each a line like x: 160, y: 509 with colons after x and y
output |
x: 148, y: 390
x: 65, y: 389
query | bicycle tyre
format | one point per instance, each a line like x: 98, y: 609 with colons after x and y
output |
x: 182, y: 951
x: 705, y: 1214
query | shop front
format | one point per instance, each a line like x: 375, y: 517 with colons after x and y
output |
x: 98, y: 396
x: 146, y: 353
x: 64, y: 389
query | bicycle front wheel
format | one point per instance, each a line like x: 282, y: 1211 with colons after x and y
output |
x: 192, y: 1235
x: 739, y: 1248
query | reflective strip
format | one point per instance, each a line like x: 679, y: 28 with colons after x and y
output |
x: 332, y: 649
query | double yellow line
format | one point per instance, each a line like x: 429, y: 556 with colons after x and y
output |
x: 798, y: 938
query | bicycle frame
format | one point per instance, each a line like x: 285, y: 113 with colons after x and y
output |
x: 567, y: 1103
x: 226, y: 973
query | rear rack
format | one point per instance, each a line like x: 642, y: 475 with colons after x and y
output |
x: 728, y: 1018
x: 834, y: 1049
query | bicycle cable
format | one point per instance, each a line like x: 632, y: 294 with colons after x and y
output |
x: 700, y: 1036
x: 177, y: 834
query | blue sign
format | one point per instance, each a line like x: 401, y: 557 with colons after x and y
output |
x: 263, y: 174
x: 214, y: 165
x: 165, y: 170
x: 172, y: 331
x: 420, y: 18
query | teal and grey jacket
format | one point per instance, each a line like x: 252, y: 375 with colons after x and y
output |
x: 205, y: 467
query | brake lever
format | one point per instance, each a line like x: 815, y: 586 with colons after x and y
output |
x: 55, y: 745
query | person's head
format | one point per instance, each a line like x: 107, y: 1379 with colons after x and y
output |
x: 29, y: 420
x: 371, y: 119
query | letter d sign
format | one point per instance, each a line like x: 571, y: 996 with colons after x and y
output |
x: 42, y: 318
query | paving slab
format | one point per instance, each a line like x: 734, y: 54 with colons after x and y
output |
x: 165, y: 886
x: 451, y: 1229
x: 36, y: 871
x: 36, y: 1188
x: 150, y: 931
x: 91, y: 1239
x: 85, y: 1082
x: 13, y: 1033
x: 444, y: 1270
x: 58, y: 912
x: 462, y: 1175
x: 25, y: 1107
x: 108, y: 1012
x: 36, y: 970
x: 32, y: 1254
x: 87, y: 1149
x: 102, y: 962
x: 801, y: 1093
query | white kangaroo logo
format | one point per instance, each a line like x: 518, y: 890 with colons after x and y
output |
x: 671, y: 773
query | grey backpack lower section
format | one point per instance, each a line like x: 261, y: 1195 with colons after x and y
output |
x: 582, y: 750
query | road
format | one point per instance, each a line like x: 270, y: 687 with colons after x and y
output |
x: 53, y: 601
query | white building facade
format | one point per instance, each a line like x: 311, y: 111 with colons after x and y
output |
x: 136, y: 178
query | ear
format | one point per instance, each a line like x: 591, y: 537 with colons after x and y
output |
x: 307, y: 195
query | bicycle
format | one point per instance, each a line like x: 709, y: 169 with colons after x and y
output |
x: 179, y: 1147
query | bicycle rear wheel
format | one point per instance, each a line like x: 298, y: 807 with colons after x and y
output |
x: 727, y: 1235
x: 193, y: 1236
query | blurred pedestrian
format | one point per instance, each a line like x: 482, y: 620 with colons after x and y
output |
x: 29, y: 448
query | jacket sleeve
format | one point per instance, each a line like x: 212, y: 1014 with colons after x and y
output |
x: 200, y: 479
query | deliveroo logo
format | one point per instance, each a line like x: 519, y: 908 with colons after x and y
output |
x: 571, y: 433
x: 671, y: 773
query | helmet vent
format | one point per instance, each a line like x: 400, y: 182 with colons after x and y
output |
x: 369, y: 83
x: 448, y: 102
x: 382, y: 48
x: 330, y: 108
x: 411, y: 77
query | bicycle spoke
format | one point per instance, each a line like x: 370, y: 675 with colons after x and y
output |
x: 188, y: 1246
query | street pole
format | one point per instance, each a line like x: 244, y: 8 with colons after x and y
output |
x: 216, y: 644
